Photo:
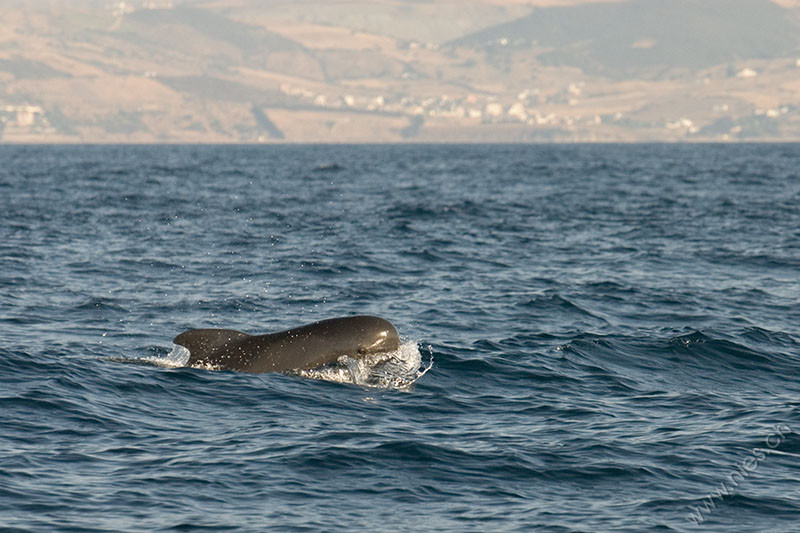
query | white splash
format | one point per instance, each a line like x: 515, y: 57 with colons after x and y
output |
x: 392, y: 370
x: 177, y: 358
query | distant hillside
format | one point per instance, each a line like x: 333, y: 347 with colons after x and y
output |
x: 399, y: 70
x: 153, y: 26
x: 648, y: 37
x: 419, y: 20
x: 187, y: 39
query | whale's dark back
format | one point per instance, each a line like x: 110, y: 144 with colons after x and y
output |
x: 300, y: 348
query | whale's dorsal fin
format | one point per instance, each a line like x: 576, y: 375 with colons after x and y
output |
x: 202, y: 343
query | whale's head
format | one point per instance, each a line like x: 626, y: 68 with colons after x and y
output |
x: 373, y: 334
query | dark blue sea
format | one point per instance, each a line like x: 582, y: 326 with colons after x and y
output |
x: 595, y: 338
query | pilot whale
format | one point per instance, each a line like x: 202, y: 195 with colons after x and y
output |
x: 301, y: 348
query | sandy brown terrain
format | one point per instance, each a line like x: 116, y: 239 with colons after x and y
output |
x: 356, y: 71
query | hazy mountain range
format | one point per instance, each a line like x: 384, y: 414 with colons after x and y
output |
x: 391, y: 70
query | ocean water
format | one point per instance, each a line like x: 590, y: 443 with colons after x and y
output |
x: 595, y: 338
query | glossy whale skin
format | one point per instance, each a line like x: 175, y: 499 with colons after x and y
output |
x: 300, y: 348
